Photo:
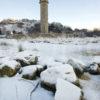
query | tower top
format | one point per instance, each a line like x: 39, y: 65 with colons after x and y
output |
x: 43, y: 1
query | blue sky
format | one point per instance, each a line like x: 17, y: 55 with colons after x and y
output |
x: 74, y: 13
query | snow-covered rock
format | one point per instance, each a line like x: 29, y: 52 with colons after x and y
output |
x: 30, y: 72
x: 93, y: 68
x: 40, y: 68
x: 26, y: 58
x: 9, y: 67
x: 49, y: 77
x: 78, y: 66
x: 67, y: 91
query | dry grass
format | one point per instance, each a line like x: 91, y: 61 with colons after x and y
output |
x: 20, y: 48
x: 91, y: 53
x: 4, y: 44
x: 85, y: 76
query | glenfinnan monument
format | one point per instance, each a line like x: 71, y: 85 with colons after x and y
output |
x: 44, y: 16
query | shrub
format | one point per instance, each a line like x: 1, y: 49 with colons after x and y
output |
x: 20, y: 48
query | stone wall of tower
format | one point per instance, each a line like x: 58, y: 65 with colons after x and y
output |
x: 44, y: 15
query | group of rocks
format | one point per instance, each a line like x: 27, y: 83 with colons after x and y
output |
x: 59, y: 78
x: 21, y: 63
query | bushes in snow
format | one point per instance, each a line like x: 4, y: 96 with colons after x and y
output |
x: 4, y: 44
x: 20, y: 48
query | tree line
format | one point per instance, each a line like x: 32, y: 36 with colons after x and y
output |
x: 33, y: 26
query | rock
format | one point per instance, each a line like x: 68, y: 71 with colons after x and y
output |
x: 49, y: 77
x: 93, y: 68
x: 22, y: 61
x: 78, y: 66
x: 32, y: 59
x: 25, y: 58
x: 67, y: 91
x: 40, y: 68
x: 29, y: 72
x: 99, y: 64
x: 32, y: 71
x: 9, y: 67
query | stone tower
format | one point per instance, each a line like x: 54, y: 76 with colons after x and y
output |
x: 44, y: 16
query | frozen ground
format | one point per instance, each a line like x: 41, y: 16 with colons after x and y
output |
x: 20, y: 89
x: 91, y: 88
x: 51, y: 52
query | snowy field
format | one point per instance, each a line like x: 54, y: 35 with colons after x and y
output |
x: 52, y: 53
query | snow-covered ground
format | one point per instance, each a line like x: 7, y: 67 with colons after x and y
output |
x: 51, y: 52
x: 20, y: 89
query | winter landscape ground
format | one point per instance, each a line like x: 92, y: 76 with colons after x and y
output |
x: 50, y: 69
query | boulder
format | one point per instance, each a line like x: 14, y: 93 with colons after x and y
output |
x: 49, y: 76
x: 32, y: 71
x: 78, y: 66
x: 9, y: 67
x: 67, y: 91
x: 93, y: 68
x: 29, y: 72
x: 40, y: 69
x: 25, y: 58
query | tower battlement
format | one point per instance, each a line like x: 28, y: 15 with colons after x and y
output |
x: 43, y: 1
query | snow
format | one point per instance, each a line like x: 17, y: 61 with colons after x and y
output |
x: 53, y: 52
x: 15, y: 89
x: 78, y: 61
x: 42, y: 94
x: 39, y: 67
x: 67, y: 91
x: 8, y: 49
x: 96, y: 59
x: 49, y: 61
x: 11, y: 27
x: 24, y: 54
x: 29, y: 70
x: 91, y: 88
x: 52, y: 74
x: 21, y: 89
x: 27, y: 56
x: 9, y: 62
